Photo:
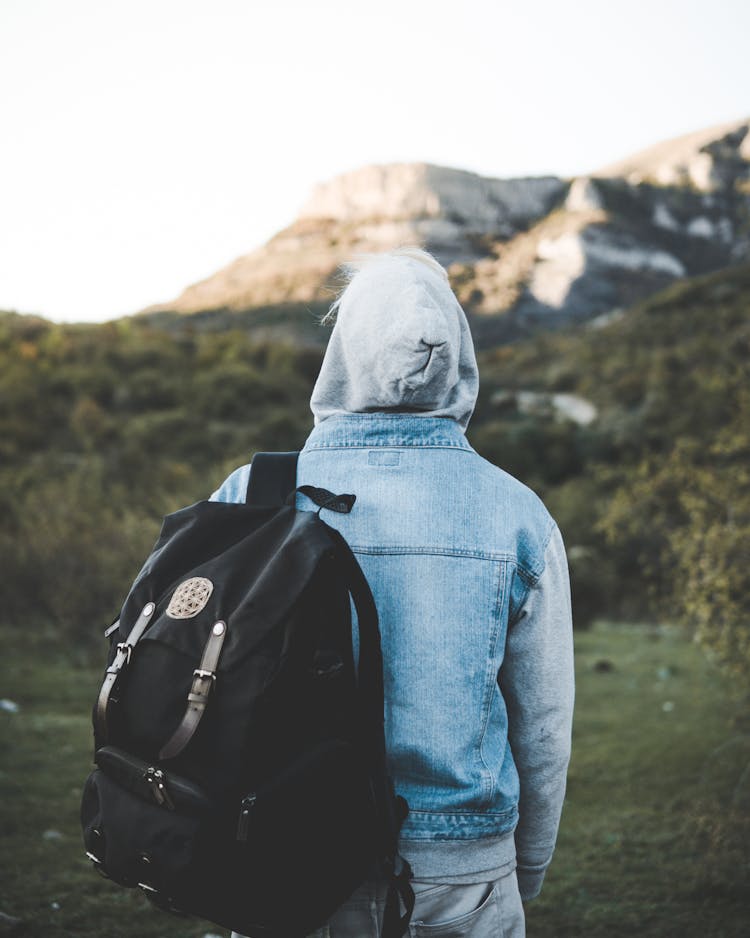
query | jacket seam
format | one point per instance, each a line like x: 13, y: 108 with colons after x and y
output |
x: 437, y: 551
x: 490, y: 681
x: 390, y: 444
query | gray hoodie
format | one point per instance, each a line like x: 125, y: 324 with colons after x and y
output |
x: 401, y: 342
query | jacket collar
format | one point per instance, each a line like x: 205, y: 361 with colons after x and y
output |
x: 386, y: 429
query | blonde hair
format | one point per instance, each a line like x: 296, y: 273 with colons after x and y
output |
x: 349, y: 269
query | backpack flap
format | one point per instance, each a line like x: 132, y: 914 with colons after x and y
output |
x: 254, y: 577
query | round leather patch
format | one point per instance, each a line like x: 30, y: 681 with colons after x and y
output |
x: 189, y: 598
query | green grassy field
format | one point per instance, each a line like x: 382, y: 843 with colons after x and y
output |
x: 655, y: 839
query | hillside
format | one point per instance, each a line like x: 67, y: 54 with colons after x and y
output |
x: 634, y: 430
x: 523, y: 254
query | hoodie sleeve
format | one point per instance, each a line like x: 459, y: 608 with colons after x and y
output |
x: 537, y: 682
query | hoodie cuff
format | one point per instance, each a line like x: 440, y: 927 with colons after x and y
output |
x: 530, y: 880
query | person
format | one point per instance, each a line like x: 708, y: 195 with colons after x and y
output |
x: 469, y: 575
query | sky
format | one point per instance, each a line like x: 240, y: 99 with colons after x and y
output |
x: 147, y: 144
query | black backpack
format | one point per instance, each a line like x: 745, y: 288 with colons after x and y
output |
x: 240, y: 756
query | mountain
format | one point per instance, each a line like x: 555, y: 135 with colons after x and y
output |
x: 522, y: 253
x: 706, y: 159
x: 449, y: 211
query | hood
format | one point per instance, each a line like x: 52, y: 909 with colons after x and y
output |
x: 401, y: 342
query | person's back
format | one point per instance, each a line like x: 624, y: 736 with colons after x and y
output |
x: 469, y: 577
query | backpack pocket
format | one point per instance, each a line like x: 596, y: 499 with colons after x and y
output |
x: 309, y: 831
x: 142, y: 826
x: 151, y: 783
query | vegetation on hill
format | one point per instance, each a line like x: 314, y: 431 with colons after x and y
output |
x: 656, y: 491
x: 104, y: 428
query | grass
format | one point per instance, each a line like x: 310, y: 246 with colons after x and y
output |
x: 654, y: 839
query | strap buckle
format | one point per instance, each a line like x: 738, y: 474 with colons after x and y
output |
x: 199, y: 672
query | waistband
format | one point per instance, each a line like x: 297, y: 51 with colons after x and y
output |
x: 460, y: 861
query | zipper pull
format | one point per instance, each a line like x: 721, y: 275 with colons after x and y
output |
x: 161, y: 782
x: 246, y: 806
x: 156, y: 781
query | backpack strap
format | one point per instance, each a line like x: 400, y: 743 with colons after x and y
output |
x: 395, y: 925
x: 203, y: 679
x: 272, y: 477
x: 273, y: 481
x: 121, y: 660
x: 370, y: 680
x: 370, y: 671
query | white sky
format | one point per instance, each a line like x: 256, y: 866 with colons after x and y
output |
x: 146, y: 144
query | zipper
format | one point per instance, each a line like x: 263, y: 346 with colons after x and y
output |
x: 156, y: 781
x: 289, y: 772
x: 246, y: 807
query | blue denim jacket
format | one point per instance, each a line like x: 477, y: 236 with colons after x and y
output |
x: 468, y: 573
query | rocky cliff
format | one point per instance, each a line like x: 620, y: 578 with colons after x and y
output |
x: 521, y: 252
x: 448, y: 211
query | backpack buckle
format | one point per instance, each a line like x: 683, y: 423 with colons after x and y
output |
x: 199, y: 692
x: 126, y: 650
x: 199, y: 672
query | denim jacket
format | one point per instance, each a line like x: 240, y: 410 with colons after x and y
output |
x: 468, y: 572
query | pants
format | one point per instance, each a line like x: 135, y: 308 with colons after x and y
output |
x: 481, y: 910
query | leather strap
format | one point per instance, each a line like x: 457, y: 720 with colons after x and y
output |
x: 121, y: 659
x: 203, y: 679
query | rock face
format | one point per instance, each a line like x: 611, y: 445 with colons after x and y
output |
x: 707, y: 160
x: 560, y: 407
x: 620, y: 234
x: 448, y: 211
x: 522, y: 253
x: 446, y: 201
